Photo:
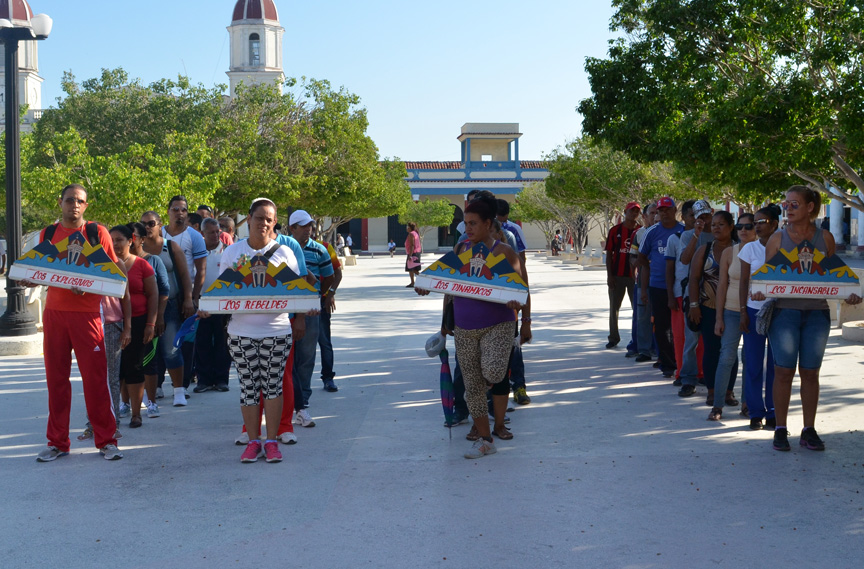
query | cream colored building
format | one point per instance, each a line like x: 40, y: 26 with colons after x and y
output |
x: 489, y: 161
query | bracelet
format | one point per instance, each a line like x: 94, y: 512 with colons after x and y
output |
x: 694, y: 304
x: 148, y: 324
x: 525, y: 319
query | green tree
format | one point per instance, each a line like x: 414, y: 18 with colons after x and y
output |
x: 599, y: 180
x: 348, y: 180
x: 427, y: 214
x: 533, y: 205
x: 753, y: 95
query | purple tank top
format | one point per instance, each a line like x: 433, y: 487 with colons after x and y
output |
x: 473, y: 314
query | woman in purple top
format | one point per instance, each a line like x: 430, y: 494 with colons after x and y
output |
x: 484, y: 334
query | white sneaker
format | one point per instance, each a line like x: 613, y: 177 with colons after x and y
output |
x: 111, y: 452
x: 152, y: 410
x: 242, y: 440
x: 159, y: 393
x: 288, y: 438
x: 145, y: 401
x: 124, y: 410
x: 303, y: 419
x: 481, y: 448
x: 179, y: 397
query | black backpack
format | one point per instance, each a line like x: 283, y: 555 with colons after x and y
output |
x: 91, y: 230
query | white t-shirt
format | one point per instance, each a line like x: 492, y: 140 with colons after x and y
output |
x: 754, y: 254
x: 214, y: 257
x: 259, y: 325
x: 192, y: 244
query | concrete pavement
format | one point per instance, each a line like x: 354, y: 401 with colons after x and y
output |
x: 608, y: 467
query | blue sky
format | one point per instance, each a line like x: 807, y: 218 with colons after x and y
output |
x: 422, y: 69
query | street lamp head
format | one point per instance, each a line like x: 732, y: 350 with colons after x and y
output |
x: 41, y: 24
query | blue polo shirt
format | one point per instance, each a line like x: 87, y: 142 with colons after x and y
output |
x: 295, y: 247
x: 653, y: 246
x: 317, y: 259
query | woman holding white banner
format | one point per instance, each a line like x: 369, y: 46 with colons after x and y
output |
x: 484, y: 333
x: 259, y: 343
x: 800, y: 326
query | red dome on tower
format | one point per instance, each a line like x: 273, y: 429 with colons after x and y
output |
x: 248, y: 10
x: 18, y: 11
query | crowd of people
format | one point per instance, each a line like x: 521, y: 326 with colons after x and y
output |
x: 686, y: 271
x: 689, y: 283
x: 131, y: 340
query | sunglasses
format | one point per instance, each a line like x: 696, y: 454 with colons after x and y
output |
x: 792, y: 204
x: 762, y: 222
x: 744, y: 226
x: 178, y: 209
x: 151, y: 223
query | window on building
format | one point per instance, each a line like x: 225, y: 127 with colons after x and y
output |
x: 255, y: 50
x: 486, y: 158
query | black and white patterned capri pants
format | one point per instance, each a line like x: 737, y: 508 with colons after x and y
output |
x: 260, y: 364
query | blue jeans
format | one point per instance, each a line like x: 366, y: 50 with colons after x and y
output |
x: 727, y: 365
x: 755, y: 369
x: 690, y: 365
x: 325, y: 342
x: 167, y: 356
x: 212, y: 359
x: 459, y: 391
x: 304, y: 357
x: 517, y: 368
x: 789, y: 327
x: 644, y: 330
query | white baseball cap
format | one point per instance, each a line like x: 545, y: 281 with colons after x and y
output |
x: 300, y: 217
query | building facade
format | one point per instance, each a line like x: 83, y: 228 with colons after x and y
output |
x: 489, y: 161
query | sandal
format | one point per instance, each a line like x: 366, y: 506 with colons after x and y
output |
x: 716, y: 414
x: 473, y: 435
x: 86, y: 435
x: 134, y: 422
x: 504, y: 434
x: 730, y: 399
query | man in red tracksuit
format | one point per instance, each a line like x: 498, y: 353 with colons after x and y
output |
x: 71, y: 321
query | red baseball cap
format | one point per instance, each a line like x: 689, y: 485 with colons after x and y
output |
x: 631, y: 205
x: 665, y: 202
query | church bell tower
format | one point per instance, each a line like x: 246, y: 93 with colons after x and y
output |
x: 256, y: 44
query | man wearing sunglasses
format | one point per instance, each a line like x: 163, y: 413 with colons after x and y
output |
x: 190, y: 241
x: 195, y: 250
x: 681, y: 250
x: 72, y: 322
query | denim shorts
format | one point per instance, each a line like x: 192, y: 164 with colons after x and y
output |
x: 799, y: 337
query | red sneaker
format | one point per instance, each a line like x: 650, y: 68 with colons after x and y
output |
x: 252, y: 453
x: 271, y: 449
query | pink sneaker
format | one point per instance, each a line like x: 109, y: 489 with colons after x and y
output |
x: 252, y: 453
x: 271, y: 449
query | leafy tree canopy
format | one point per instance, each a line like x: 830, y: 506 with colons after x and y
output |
x: 427, y: 214
x: 754, y: 95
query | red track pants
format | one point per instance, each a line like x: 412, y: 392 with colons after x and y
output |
x: 82, y: 332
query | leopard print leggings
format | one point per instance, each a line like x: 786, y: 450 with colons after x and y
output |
x: 483, y: 356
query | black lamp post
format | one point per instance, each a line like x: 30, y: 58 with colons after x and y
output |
x: 16, y: 321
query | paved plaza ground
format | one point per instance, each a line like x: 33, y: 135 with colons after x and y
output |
x: 608, y: 467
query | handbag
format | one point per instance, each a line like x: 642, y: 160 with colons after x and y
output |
x: 764, y: 316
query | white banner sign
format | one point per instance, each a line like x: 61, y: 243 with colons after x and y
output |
x: 62, y: 279
x: 258, y: 304
x: 467, y: 290
x: 799, y: 290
